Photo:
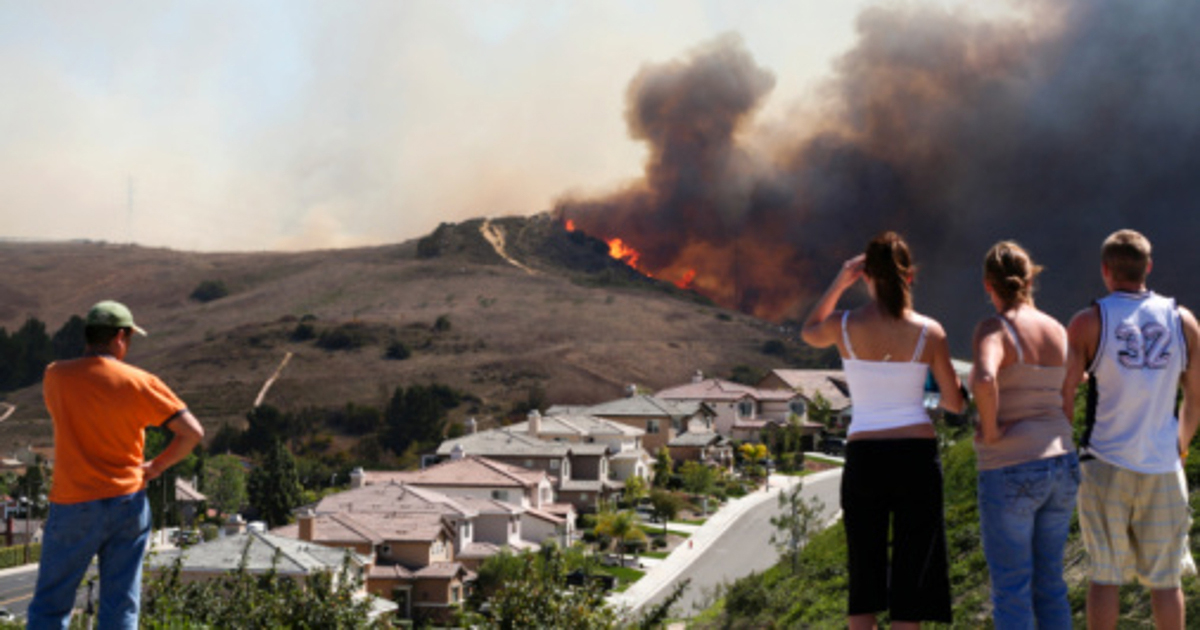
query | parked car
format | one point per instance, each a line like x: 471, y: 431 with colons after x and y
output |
x: 186, y: 537
x: 833, y: 445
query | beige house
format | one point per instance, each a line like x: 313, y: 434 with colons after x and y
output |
x: 829, y: 384
x: 481, y: 478
x: 412, y: 556
x: 660, y: 419
x: 742, y: 412
x: 579, y: 471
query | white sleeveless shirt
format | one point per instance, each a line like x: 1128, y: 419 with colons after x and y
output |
x: 1133, y: 381
x: 885, y: 394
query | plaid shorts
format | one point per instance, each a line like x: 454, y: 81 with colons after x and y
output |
x: 1135, y: 525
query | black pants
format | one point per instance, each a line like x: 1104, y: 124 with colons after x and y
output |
x: 895, y: 487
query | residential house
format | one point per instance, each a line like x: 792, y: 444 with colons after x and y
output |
x: 626, y: 457
x: 707, y: 447
x: 742, y: 412
x: 661, y: 419
x: 485, y: 478
x: 188, y: 501
x: 412, y: 556
x: 579, y: 471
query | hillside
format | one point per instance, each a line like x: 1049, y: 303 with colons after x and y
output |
x: 558, y: 319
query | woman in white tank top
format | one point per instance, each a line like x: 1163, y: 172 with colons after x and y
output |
x: 892, y: 481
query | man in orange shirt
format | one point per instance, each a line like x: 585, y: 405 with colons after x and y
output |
x: 101, y: 407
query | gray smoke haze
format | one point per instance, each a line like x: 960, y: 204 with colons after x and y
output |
x: 1053, y: 128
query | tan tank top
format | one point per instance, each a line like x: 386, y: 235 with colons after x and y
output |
x: 1030, y: 415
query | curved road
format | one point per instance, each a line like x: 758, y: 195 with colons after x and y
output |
x: 744, y: 547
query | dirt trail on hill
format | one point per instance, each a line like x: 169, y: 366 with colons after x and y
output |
x: 495, y: 236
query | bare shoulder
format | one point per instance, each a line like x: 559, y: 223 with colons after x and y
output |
x: 933, y: 328
x: 1084, y: 322
x: 987, y: 326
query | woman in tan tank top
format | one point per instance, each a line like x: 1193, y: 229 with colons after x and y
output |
x: 1028, y: 470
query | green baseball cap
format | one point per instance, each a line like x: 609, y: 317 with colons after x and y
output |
x: 113, y: 315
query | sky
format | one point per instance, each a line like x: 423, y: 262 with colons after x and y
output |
x: 290, y: 125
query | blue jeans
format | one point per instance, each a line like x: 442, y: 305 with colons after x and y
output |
x: 1024, y: 515
x: 115, y: 529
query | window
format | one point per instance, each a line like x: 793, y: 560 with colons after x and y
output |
x: 385, y: 550
x: 798, y: 407
x: 746, y: 409
x: 651, y: 426
x: 529, y: 463
x: 500, y: 495
x: 554, y: 464
x: 455, y: 594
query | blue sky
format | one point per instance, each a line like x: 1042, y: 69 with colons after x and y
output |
x: 288, y: 125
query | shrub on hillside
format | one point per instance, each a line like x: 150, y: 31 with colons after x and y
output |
x: 397, y: 351
x: 344, y: 337
x: 210, y: 290
x: 303, y: 332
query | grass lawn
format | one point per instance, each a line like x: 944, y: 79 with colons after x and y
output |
x: 625, y: 576
x: 660, y: 555
x: 694, y: 521
x: 827, y: 460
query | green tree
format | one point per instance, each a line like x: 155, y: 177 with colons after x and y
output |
x: 665, y: 505
x: 821, y: 412
x: 635, y: 489
x: 797, y: 522
x: 540, y: 598
x: 274, y: 487
x: 698, y: 478
x: 239, y: 599
x: 209, y: 290
x: 663, y: 467
x: 225, y: 483
x: 69, y: 342
x: 622, y: 526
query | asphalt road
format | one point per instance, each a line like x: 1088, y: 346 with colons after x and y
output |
x: 17, y: 585
x: 742, y: 549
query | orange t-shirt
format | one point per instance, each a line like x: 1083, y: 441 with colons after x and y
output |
x: 101, y: 408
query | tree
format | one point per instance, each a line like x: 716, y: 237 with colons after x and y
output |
x: 540, y: 598
x: 698, y: 478
x: 665, y: 505
x: 274, y: 487
x: 821, y: 412
x: 209, y: 290
x: 621, y: 526
x: 225, y: 483
x: 663, y: 467
x: 798, y: 521
x: 635, y: 489
x: 69, y: 342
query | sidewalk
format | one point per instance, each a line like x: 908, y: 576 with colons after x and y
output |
x: 664, y: 572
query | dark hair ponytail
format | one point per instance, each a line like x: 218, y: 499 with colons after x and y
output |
x: 889, y: 265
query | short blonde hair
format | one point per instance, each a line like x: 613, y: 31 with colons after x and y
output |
x: 1126, y: 253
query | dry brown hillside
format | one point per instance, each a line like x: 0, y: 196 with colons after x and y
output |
x: 558, y: 315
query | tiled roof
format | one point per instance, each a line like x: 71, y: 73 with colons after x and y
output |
x: 506, y: 442
x: 470, y: 471
x: 578, y: 423
x: 261, y: 551
x: 716, y: 389
x: 546, y: 516
x: 389, y: 572
x: 588, y: 485
x: 831, y: 384
x: 443, y: 570
x: 479, y: 549
x: 692, y: 438
x: 393, y: 497
x: 647, y: 406
x: 374, y: 528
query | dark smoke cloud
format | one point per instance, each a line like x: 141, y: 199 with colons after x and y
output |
x: 1053, y: 128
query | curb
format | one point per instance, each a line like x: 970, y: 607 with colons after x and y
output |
x: 660, y: 575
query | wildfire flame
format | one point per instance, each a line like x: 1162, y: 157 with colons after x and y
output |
x: 626, y: 253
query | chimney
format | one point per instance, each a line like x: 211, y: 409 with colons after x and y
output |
x: 457, y: 452
x: 307, y: 524
x: 472, y: 426
x: 698, y: 377
x: 356, y: 477
x: 631, y: 390
x: 535, y: 423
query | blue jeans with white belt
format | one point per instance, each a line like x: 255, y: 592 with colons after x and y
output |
x: 114, y: 529
x: 1024, y: 515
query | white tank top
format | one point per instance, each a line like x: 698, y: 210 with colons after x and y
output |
x: 885, y: 394
x: 1133, y: 381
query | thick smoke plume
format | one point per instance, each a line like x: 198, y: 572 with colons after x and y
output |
x: 1053, y: 128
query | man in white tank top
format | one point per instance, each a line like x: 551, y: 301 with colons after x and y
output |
x: 1132, y: 347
